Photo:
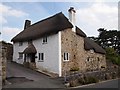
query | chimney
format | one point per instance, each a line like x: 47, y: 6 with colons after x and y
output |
x: 72, y: 17
x: 27, y: 24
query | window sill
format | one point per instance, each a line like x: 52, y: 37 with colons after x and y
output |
x: 20, y: 58
x: 44, y: 43
x: 40, y: 61
x: 65, y: 60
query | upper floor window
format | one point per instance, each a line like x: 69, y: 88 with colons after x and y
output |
x: 66, y: 56
x: 29, y: 42
x: 44, y: 39
x: 20, y: 43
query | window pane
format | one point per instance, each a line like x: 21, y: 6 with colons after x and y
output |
x: 66, y: 56
x: 20, y: 55
x: 39, y: 56
x: 45, y: 39
x: 42, y: 56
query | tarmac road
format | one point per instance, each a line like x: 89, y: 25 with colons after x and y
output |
x: 29, y: 78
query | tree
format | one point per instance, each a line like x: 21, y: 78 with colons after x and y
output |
x: 112, y: 56
x: 109, y: 38
x: 110, y: 41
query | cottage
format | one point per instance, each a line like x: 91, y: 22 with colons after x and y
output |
x: 56, y: 45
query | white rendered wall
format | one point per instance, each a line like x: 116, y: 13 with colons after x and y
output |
x: 16, y: 50
x: 51, y: 51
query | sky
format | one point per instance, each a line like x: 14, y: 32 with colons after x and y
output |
x: 90, y: 15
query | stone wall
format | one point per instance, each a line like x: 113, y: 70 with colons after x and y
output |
x: 9, y: 50
x: 78, y: 56
x: 3, y: 62
x: 82, y: 78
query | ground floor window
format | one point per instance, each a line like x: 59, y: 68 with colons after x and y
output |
x: 20, y: 55
x: 41, y: 56
x: 66, y: 56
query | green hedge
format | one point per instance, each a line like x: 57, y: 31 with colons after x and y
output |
x: 112, y: 56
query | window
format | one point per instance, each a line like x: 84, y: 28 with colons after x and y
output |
x: 88, y: 59
x: 41, y: 56
x: 66, y: 56
x: 91, y: 51
x: 98, y: 58
x: 20, y: 43
x: 29, y: 42
x: 20, y: 55
x: 45, y: 40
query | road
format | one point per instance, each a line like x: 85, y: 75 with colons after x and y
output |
x: 29, y: 78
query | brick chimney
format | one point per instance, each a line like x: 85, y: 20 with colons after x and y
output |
x: 27, y: 24
x: 72, y: 17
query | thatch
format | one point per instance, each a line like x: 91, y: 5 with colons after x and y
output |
x: 80, y: 32
x: 30, y: 49
x: 90, y: 44
x: 47, y: 26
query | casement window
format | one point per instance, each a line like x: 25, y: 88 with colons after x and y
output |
x: 20, y: 43
x: 88, y: 59
x: 41, y: 56
x: 91, y: 51
x: 66, y: 56
x: 20, y: 55
x: 98, y: 58
x: 45, y: 40
x: 29, y: 42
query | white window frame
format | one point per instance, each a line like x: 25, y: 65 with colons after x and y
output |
x: 44, y: 41
x: 40, y: 57
x: 91, y: 51
x: 20, y: 55
x: 66, y: 56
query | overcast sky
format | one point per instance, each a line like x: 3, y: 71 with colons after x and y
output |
x: 90, y: 16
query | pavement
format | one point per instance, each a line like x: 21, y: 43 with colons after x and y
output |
x: 29, y: 78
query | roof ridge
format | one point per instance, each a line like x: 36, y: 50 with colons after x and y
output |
x: 44, y: 19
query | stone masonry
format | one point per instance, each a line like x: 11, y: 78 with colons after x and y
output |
x: 78, y: 56
x: 2, y: 63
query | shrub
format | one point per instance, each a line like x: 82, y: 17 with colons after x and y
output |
x: 112, y: 56
x: 88, y: 80
x: 81, y: 81
x: 92, y: 80
x: 73, y: 83
x: 74, y: 69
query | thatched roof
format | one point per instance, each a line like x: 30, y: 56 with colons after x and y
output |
x: 30, y: 49
x: 90, y: 44
x: 47, y: 26
x: 80, y: 32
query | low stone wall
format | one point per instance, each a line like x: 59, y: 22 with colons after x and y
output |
x: 81, y: 78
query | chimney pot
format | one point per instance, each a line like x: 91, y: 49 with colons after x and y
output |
x: 27, y: 24
x: 72, y: 9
